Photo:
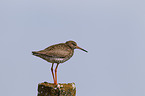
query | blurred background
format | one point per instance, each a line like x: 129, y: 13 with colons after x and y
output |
x: 113, y: 32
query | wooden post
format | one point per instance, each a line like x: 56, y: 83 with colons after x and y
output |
x: 62, y: 89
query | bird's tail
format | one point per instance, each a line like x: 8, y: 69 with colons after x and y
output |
x: 35, y: 53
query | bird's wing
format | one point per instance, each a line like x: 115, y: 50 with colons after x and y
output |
x: 59, y: 50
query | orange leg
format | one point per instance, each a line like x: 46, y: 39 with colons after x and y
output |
x: 56, y: 74
x: 52, y: 72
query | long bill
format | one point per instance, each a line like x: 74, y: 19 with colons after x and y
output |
x: 81, y: 48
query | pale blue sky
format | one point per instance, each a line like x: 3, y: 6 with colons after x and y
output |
x: 113, y: 32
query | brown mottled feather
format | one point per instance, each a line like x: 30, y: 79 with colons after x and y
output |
x: 58, y: 50
x: 58, y: 53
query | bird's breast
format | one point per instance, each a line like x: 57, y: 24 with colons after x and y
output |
x: 60, y: 59
x: 58, y: 54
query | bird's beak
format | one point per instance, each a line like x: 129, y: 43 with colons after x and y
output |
x: 77, y: 47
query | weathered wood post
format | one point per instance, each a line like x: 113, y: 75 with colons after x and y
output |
x: 62, y: 89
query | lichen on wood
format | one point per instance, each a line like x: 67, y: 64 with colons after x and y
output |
x: 62, y: 89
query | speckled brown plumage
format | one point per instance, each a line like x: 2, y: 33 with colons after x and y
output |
x: 58, y: 53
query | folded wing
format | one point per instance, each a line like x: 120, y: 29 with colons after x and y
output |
x: 57, y: 51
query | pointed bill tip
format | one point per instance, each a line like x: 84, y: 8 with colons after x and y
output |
x: 82, y: 49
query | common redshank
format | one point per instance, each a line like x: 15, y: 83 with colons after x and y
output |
x: 58, y: 53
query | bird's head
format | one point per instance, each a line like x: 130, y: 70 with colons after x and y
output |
x: 73, y: 45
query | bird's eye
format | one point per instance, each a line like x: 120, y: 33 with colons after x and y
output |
x: 74, y: 44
